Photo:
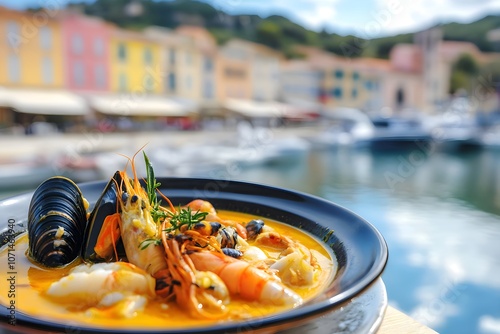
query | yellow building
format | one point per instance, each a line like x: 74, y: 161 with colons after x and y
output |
x: 135, y: 63
x: 346, y: 82
x: 31, y: 54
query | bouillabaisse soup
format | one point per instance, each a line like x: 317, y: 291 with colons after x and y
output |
x: 138, y: 261
x: 32, y: 282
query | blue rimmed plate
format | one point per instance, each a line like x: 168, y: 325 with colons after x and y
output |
x: 360, y: 250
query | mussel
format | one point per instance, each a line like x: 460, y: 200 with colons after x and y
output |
x: 56, y: 222
x: 232, y: 252
x: 227, y: 237
x: 106, y: 205
x: 207, y: 228
x: 254, y: 228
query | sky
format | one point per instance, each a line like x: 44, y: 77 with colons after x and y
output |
x: 364, y: 18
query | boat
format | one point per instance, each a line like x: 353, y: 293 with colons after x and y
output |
x: 397, y: 133
x: 491, y: 138
x: 344, y: 127
x: 456, y: 130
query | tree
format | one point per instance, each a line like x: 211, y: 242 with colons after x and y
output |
x: 270, y: 34
x: 464, y: 73
x: 466, y: 64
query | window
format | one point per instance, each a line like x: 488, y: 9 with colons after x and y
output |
x: 208, y: 64
x: 122, y: 82
x: 14, y: 68
x: 98, y: 47
x: 77, y: 44
x: 100, y: 76
x: 171, y: 82
x: 149, y: 83
x: 208, y: 89
x: 47, y: 71
x: 339, y: 74
x: 355, y: 76
x: 354, y: 93
x: 79, y: 73
x: 148, y: 56
x: 172, y: 57
x: 122, y: 52
x: 189, y: 82
x: 189, y: 58
x: 337, y: 92
x: 368, y: 84
x: 13, y: 34
x: 45, y: 38
x: 234, y: 72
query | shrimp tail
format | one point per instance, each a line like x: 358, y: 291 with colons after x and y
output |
x: 246, y: 280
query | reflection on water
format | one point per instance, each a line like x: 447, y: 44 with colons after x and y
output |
x: 440, y: 217
x: 439, y: 214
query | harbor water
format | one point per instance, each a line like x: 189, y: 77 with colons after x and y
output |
x: 439, y: 213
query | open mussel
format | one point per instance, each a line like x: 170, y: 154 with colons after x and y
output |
x: 227, y: 237
x: 254, y: 228
x: 106, y: 206
x: 56, y: 222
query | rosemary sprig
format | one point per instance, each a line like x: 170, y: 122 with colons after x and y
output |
x: 147, y: 242
x: 151, y: 186
x: 184, y: 217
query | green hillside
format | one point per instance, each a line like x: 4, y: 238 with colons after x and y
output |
x: 275, y: 31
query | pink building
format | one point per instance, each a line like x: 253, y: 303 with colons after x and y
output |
x: 86, y: 42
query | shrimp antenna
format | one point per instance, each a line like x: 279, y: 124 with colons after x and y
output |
x: 132, y: 164
x: 168, y: 200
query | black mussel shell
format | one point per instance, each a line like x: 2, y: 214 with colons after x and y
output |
x: 254, y: 227
x: 232, y: 252
x: 56, y: 222
x: 52, y: 250
x: 106, y: 205
x: 227, y: 237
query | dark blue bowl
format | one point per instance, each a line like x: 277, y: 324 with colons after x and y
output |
x: 360, y: 249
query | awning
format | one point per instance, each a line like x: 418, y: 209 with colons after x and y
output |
x: 254, y: 109
x: 3, y: 97
x: 130, y: 105
x: 257, y: 109
x: 43, y: 102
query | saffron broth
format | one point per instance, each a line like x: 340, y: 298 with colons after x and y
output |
x: 32, y: 280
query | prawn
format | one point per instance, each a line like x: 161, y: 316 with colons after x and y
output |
x: 147, y: 246
x: 244, y: 279
x: 201, y: 292
x: 118, y: 287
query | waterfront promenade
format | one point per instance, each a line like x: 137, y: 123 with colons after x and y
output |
x: 20, y: 147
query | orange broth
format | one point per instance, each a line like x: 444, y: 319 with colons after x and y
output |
x: 31, y: 280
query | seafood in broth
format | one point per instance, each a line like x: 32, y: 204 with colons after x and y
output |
x: 140, y: 254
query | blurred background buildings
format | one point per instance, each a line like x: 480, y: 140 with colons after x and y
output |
x: 72, y: 70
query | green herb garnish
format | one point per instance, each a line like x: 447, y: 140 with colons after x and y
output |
x: 148, y: 242
x: 151, y: 186
x: 185, y: 217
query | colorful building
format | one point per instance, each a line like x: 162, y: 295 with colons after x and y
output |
x: 345, y: 82
x: 299, y: 81
x: 235, y: 76
x: 265, y: 72
x: 86, y: 45
x: 135, y: 65
x: 31, y: 53
x: 205, y: 63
